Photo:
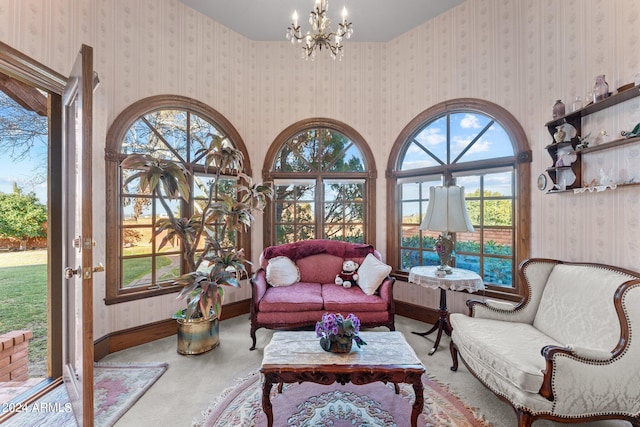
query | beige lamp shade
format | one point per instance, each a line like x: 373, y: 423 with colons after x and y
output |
x: 446, y: 211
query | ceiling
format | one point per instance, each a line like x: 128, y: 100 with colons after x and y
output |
x: 373, y: 20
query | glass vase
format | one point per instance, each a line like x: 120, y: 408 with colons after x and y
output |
x: 600, y: 89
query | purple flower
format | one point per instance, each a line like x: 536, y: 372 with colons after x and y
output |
x: 336, y: 326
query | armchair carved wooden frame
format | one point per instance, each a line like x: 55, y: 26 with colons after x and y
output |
x: 567, y: 352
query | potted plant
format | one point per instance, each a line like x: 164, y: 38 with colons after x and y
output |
x: 206, y: 237
x: 337, y: 333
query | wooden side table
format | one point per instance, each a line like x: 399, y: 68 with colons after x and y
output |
x: 458, y: 280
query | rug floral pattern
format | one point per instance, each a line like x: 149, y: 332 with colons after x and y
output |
x: 309, y: 404
x: 116, y: 388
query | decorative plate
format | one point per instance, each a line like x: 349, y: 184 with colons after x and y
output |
x: 542, y: 181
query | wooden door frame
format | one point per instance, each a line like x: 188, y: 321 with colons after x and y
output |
x: 27, y: 70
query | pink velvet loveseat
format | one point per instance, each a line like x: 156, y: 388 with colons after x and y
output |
x: 314, y: 292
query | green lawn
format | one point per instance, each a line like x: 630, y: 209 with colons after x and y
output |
x: 23, y: 298
x: 23, y: 305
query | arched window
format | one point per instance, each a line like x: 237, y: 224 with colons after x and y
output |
x: 477, y: 145
x: 324, y: 180
x: 170, y: 128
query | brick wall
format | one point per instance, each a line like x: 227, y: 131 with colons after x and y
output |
x: 14, y: 356
x: 13, y: 244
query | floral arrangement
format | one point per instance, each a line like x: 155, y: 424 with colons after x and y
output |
x: 336, y: 327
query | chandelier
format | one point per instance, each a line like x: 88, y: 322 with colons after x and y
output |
x: 321, y: 34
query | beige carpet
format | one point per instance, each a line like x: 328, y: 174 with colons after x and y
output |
x: 192, y: 383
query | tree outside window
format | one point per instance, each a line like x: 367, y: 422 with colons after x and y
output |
x: 168, y: 128
x: 322, y: 174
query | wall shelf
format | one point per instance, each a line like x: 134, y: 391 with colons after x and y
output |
x: 558, y: 174
x: 596, y: 106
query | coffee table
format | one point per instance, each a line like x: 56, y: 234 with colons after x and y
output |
x: 294, y: 357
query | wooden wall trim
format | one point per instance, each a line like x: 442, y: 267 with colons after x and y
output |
x: 131, y: 337
x: 127, y: 338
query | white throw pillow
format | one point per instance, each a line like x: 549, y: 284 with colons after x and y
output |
x: 281, y: 271
x: 371, y: 274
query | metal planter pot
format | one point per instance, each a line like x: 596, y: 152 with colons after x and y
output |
x: 198, y: 336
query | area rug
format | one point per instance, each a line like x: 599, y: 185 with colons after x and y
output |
x: 116, y: 388
x: 310, y: 404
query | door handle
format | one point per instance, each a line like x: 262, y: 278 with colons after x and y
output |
x: 99, y: 268
x: 70, y: 272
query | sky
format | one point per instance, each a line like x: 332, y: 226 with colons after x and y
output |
x: 23, y: 172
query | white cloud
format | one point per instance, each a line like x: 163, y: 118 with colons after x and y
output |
x: 470, y: 121
x: 431, y: 136
x: 481, y: 146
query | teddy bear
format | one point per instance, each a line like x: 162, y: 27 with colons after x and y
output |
x: 348, y: 276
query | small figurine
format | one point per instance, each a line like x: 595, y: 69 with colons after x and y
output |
x: 583, y: 141
x: 635, y: 132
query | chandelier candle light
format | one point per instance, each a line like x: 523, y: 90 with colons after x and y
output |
x: 321, y: 34
x: 446, y: 212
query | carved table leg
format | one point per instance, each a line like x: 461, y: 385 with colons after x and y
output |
x: 418, y: 404
x: 266, y: 402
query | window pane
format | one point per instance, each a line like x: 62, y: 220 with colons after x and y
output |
x: 434, y: 138
x: 498, y: 271
x: 288, y: 160
x: 468, y: 262
x: 174, y: 206
x: 305, y: 212
x: 136, y: 272
x: 136, y: 241
x: 170, y: 137
x: 468, y: 242
x: 334, y: 213
x: 307, y: 145
x: 284, y: 234
x: 305, y: 232
x: 333, y: 144
x: 409, y: 258
x: 499, y: 184
x: 482, y: 139
x: 471, y: 185
x: 430, y: 258
x: 133, y: 186
x: 473, y: 210
x: 200, y: 135
x: 498, y: 241
x: 167, y: 268
x: 347, y: 233
x: 410, y: 236
x: 136, y: 210
x: 351, y: 161
x: 498, y: 212
x: 466, y: 129
x: 416, y: 158
x: 137, y: 139
x: 354, y: 212
x: 411, y: 213
x: 410, y: 191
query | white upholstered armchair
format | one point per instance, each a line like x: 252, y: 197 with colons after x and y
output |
x: 569, y: 351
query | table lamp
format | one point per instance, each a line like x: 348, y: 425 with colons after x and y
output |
x: 446, y: 212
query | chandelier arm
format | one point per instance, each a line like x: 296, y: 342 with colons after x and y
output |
x: 321, y: 34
